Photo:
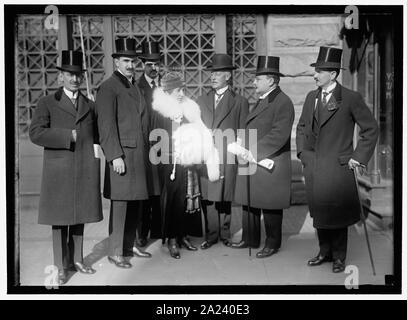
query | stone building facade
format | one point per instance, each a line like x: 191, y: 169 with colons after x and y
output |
x: 188, y: 42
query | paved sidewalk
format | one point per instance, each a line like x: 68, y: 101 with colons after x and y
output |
x: 217, y: 266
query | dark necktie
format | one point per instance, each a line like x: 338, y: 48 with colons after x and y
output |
x: 324, y: 100
x: 218, y: 97
x: 74, y: 100
x: 153, y: 85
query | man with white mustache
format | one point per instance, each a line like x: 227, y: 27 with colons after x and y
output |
x: 225, y: 110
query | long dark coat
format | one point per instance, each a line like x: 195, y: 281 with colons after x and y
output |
x: 70, y: 188
x: 330, y: 185
x: 273, y: 118
x: 123, y: 122
x: 155, y: 172
x: 230, y: 114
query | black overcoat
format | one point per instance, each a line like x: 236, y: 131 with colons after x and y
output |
x: 272, y: 119
x: 324, y: 153
x: 123, y: 122
x: 155, y: 170
x: 70, y: 187
x: 230, y: 114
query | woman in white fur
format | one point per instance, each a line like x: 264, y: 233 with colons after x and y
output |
x: 192, y: 145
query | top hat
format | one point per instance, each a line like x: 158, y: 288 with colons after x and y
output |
x: 125, y: 47
x: 221, y: 61
x: 150, y: 51
x: 328, y: 58
x: 268, y: 65
x: 172, y: 80
x: 71, y: 61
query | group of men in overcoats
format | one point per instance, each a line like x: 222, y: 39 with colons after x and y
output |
x: 69, y: 125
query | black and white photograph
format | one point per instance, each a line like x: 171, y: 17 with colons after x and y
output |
x: 203, y: 149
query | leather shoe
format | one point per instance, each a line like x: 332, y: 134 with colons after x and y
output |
x: 239, y: 245
x: 318, y: 260
x: 140, y: 253
x: 141, y: 242
x: 207, y: 244
x: 173, y: 248
x: 62, y: 277
x: 227, y: 243
x: 187, y: 244
x: 80, y: 267
x: 266, y: 252
x: 338, y: 266
x: 119, y: 262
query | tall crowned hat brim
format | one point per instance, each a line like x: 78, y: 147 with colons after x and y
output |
x: 151, y: 57
x: 327, y: 65
x: 124, y: 54
x: 260, y: 72
x: 220, y: 68
x: 71, y: 68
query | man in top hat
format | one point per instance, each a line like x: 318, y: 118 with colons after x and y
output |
x: 123, y: 121
x: 65, y: 124
x: 269, y: 190
x: 150, y: 221
x: 224, y: 111
x: 324, y: 145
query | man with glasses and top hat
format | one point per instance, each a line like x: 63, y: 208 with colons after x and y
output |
x: 222, y: 110
x: 65, y: 124
x: 151, y: 218
x: 272, y: 117
x: 325, y: 134
x: 123, y: 122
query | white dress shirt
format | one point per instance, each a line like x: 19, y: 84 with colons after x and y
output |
x: 329, y: 89
x: 149, y: 80
x: 71, y: 95
x: 263, y: 96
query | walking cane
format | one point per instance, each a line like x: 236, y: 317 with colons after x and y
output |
x: 362, y: 217
x: 248, y: 211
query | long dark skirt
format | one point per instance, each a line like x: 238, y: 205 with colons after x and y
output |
x: 176, y: 222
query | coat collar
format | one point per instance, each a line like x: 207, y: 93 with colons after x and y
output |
x: 210, y: 98
x: 122, y: 79
x: 133, y: 89
x: 65, y: 104
x: 263, y: 104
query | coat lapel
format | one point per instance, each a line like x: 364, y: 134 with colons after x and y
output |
x: 333, y: 105
x: 132, y: 90
x: 64, y: 103
x: 83, y: 107
x: 208, y: 103
x: 143, y: 84
x: 224, y: 107
x: 263, y: 104
x: 313, y: 102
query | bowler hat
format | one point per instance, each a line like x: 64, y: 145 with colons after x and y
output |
x: 221, y: 61
x: 71, y: 61
x: 125, y: 47
x: 328, y: 58
x: 150, y: 50
x: 268, y: 65
x: 172, y: 80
